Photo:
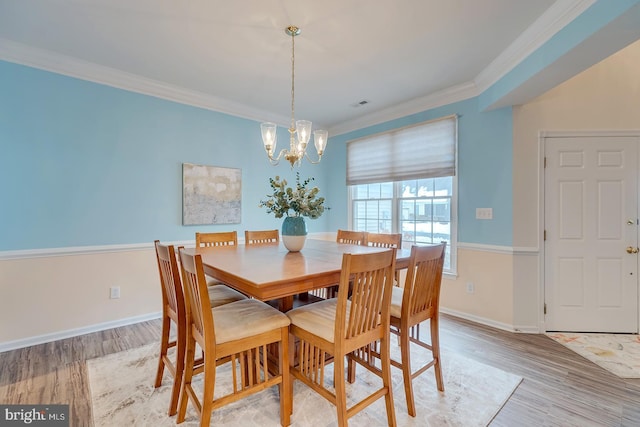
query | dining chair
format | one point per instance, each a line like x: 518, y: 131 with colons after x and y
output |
x: 347, y: 237
x: 174, y: 313
x: 253, y: 237
x: 385, y: 240
x: 338, y: 326
x: 239, y: 333
x: 417, y: 302
x: 351, y: 237
x: 223, y: 238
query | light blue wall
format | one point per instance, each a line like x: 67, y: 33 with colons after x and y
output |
x: 87, y: 164
x: 484, y: 169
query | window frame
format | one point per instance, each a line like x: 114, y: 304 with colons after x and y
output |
x: 396, y: 219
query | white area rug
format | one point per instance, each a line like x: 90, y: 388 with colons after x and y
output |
x: 123, y: 395
x: 617, y: 353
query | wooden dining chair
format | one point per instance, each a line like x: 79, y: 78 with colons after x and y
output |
x: 417, y: 302
x: 223, y: 238
x: 174, y: 313
x: 338, y: 326
x: 351, y: 237
x: 254, y: 237
x: 385, y: 240
x: 240, y: 333
x: 347, y: 237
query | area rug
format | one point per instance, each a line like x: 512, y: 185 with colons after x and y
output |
x: 617, y: 353
x: 123, y: 395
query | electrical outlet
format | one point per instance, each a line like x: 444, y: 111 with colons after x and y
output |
x: 484, y: 213
x: 115, y: 292
x: 471, y: 288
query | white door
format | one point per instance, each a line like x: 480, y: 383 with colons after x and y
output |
x: 591, y: 227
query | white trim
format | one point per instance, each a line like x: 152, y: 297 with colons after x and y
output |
x: 586, y: 133
x: 437, y: 99
x: 61, y: 64
x: 509, y: 250
x: 85, y: 250
x: 559, y: 15
x: 55, y: 336
x: 525, y: 329
x: 478, y: 319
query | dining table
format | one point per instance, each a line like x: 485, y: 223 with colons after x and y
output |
x: 269, y: 271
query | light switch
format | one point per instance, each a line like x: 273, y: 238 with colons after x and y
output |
x: 484, y: 213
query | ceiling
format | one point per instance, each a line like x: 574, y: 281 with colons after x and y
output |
x: 234, y: 56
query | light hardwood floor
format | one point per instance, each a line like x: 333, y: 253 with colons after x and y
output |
x: 560, y: 388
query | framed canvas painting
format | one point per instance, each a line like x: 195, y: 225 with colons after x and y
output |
x: 211, y: 195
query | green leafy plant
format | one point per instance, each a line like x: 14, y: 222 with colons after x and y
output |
x: 298, y: 201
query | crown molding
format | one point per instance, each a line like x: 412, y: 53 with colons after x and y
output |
x: 72, y: 67
x: 549, y: 23
x: 417, y: 105
x: 559, y: 15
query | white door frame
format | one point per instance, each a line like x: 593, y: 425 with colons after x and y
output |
x: 542, y: 135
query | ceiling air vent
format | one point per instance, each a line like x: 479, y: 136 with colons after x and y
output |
x: 360, y: 103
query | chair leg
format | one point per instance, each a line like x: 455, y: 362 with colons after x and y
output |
x: 405, y: 351
x: 386, y: 379
x: 177, y: 381
x: 186, y: 379
x: 207, y: 395
x: 164, y: 347
x: 286, y: 390
x: 341, y: 394
x: 435, y: 350
x: 351, y: 370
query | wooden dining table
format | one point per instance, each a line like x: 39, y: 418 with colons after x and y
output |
x: 270, y: 272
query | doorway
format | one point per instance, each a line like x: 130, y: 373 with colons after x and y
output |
x: 591, y: 233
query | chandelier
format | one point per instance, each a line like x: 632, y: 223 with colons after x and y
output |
x: 299, y: 132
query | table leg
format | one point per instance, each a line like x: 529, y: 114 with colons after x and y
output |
x: 285, y: 304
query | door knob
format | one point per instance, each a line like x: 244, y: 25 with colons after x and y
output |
x: 632, y: 250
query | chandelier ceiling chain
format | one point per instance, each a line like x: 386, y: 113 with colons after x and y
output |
x: 301, y: 129
x: 293, y: 32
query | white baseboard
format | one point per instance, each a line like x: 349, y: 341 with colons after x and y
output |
x: 478, y: 319
x: 41, y: 339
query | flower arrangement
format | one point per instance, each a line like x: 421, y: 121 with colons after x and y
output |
x: 298, y: 201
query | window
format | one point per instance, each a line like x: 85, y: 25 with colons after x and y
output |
x: 420, y: 207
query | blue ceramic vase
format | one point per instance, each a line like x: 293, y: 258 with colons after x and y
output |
x: 294, y: 233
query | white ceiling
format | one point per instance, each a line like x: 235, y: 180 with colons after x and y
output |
x: 234, y: 57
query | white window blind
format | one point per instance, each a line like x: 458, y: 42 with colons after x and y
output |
x: 426, y: 150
